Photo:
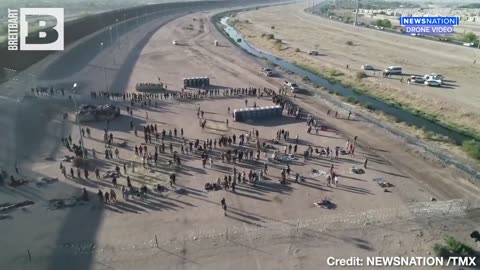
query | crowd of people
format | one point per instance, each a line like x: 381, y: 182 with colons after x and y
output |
x: 172, y: 144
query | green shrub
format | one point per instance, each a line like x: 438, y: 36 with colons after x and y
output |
x: 349, y: 43
x: 352, y: 100
x: 368, y: 106
x: 472, y: 148
x: 386, y: 23
x: 278, y: 41
x: 330, y: 92
x: 334, y: 73
x: 453, y: 247
x: 270, y: 36
x: 273, y: 27
x: 360, y: 75
x: 469, y: 37
x: 297, y: 50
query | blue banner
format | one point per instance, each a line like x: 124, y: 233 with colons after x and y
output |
x: 432, y: 21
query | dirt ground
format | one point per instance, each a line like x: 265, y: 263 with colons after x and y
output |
x: 268, y: 226
x: 456, y: 103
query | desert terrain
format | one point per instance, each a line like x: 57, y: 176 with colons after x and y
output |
x: 267, y: 226
x: 455, y: 104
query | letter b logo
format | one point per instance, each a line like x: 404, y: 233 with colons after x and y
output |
x: 41, y: 29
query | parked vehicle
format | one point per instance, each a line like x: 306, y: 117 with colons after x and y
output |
x: 417, y: 79
x: 313, y: 53
x: 367, y: 67
x: 267, y: 72
x: 174, y: 42
x: 292, y: 86
x: 393, y: 70
x: 437, y: 76
x: 433, y: 83
x: 431, y: 77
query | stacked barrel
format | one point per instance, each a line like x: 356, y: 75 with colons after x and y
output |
x: 196, y: 82
x: 247, y: 114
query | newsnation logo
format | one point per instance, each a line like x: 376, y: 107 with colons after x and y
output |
x: 429, y: 25
x: 35, y: 29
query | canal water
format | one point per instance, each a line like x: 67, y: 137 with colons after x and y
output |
x: 376, y: 104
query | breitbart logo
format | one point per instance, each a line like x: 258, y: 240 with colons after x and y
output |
x: 35, y: 29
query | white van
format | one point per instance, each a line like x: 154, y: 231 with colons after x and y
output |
x: 393, y: 70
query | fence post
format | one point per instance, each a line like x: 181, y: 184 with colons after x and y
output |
x: 29, y: 255
x: 156, y: 240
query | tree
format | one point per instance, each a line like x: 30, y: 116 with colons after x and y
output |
x: 383, y: 23
x: 470, y: 37
x: 387, y: 23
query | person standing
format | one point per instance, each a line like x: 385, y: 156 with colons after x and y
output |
x: 113, y: 195
x: 365, y: 163
x: 233, y: 185
x: 224, y: 206
x: 100, y: 195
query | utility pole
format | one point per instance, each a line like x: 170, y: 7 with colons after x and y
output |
x: 356, y: 13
